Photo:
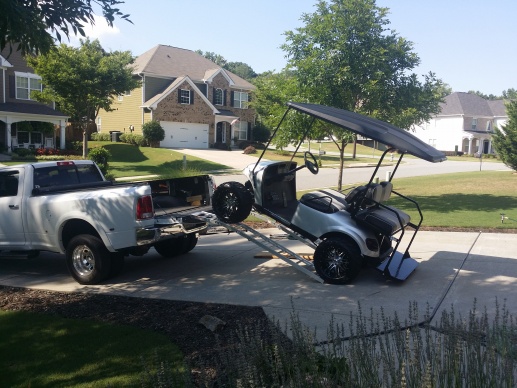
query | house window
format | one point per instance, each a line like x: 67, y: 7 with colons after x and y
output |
x: 184, y: 96
x: 25, y: 84
x: 474, y: 123
x: 240, y: 100
x: 241, y: 130
x: 120, y: 97
x: 489, y: 126
x: 218, y: 97
x: 127, y: 93
x: 23, y: 137
x: 99, y: 124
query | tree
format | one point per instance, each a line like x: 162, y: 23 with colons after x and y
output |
x: 83, y: 80
x: 346, y: 57
x: 510, y: 94
x: 505, y: 139
x: 31, y: 23
x: 241, y: 69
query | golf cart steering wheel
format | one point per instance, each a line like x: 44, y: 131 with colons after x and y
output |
x: 312, y: 165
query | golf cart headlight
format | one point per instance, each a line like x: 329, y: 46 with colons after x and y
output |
x: 372, y: 244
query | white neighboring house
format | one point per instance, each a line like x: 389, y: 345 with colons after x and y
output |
x: 466, y: 123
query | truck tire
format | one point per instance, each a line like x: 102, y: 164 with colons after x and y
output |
x: 87, y: 259
x: 191, y: 242
x: 232, y: 202
x: 337, y: 261
x: 116, y: 265
x: 172, y: 247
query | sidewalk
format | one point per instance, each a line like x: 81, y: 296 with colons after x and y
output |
x: 455, y: 268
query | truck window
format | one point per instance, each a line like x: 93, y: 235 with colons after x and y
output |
x: 88, y: 173
x: 9, y: 184
x: 64, y: 175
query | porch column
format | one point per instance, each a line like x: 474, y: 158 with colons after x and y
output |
x: 8, y: 142
x: 62, y: 140
x: 470, y: 146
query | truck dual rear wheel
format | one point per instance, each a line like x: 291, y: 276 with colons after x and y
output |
x: 176, y: 246
x: 87, y: 259
x: 337, y: 261
x: 232, y: 202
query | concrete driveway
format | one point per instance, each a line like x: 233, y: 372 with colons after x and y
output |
x: 454, y: 269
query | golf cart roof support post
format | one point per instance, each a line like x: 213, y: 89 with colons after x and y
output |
x: 377, y: 167
x: 396, y: 166
x: 303, y: 138
x: 269, y: 141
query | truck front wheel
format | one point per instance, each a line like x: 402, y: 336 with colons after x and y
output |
x: 87, y: 259
x: 337, y: 261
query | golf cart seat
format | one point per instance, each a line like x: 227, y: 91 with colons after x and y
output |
x: 325, y: 201
x: 383, y: 219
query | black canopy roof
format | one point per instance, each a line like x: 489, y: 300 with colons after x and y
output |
x: 372, y: 128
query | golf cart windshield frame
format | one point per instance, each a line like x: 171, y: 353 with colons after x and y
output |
x: 393, y: 137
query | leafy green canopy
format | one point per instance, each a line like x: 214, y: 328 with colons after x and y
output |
x: 346, y: 57
x: 505, y: 139
x: 31, y: 23
x: 83, y: 80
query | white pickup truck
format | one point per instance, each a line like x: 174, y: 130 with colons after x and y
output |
x: 69, y: 208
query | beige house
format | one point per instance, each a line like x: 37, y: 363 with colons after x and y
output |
x: 197, y: 102
x: 17, y: 108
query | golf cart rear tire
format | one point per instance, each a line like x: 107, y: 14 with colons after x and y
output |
x: 337, y: 261
x: 232, y: 202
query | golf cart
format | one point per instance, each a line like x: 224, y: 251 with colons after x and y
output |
x: 348, y: 229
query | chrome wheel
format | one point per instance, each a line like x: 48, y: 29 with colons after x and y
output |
x: 83, y: 260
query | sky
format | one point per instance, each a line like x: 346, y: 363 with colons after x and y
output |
x: 468, y: 44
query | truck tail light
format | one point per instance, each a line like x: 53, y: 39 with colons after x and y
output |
x: 144, y: 208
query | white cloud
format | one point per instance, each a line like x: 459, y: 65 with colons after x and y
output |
x: 99, y: 30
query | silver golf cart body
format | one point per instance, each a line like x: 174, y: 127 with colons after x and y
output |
x: 349, y: 229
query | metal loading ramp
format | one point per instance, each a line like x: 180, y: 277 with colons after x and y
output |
x: 267, y: 243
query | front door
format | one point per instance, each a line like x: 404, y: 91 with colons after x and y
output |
x: 11, y: 223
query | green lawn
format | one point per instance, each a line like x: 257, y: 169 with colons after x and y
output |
x: 463, y: 200
x: 39, y: 350
x: 128, y: 160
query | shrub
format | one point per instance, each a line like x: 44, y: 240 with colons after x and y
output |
x: 134, y: 139
x: 100, y: 156
x: 153, y: 132
x: 98, y: 136
x: 250, y: 150
x: 23, y: 152
x: 222, y: 146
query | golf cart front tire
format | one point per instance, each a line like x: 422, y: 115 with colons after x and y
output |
x: 232, y: 202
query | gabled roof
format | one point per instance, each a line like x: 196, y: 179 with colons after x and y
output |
x: 153, y: 102
x: 172, y: 62
x: 4, y: 62
x: 471, y: 105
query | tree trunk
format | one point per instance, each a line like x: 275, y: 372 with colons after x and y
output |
x: 341, y: 165
x: 355, y: 147
x: 85, y: 143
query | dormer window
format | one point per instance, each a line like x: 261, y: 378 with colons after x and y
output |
x: 218, y: 97
x: 25, y: 84
x: 474, y: 124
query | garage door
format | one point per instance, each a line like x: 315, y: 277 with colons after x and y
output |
x: 184, y: 135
